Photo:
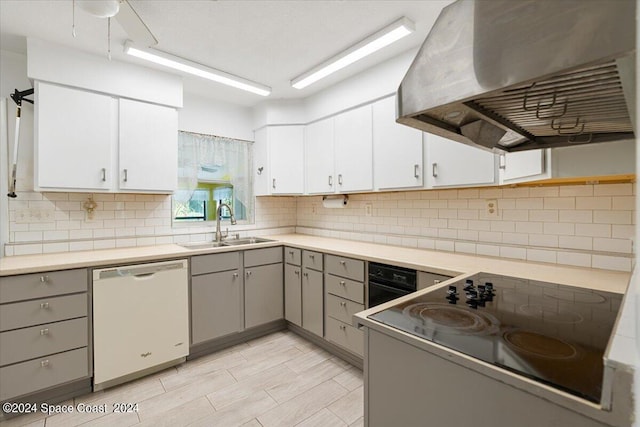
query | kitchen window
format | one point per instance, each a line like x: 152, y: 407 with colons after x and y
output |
x: 211, y: 170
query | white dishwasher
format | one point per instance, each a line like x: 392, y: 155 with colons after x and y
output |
x: 140, y: 320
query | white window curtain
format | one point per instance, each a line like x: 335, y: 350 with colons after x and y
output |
x: 209, y: 158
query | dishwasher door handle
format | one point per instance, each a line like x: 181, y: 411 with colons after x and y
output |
x: 144, y: 275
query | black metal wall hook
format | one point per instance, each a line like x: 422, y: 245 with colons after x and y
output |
x: 19, y: 96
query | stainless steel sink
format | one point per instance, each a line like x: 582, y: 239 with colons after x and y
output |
x: 230, y: 242
x: 245, y: 241
x: 203, y: 245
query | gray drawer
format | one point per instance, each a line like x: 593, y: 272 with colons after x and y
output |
x: 342, y: 309
x: 45, y: 372
x: 345, y: 288
x: 345, y: 267
x: 262, y: 256
x: 345, y: 336
x: 312, y: 260
x: 39, y: 285
x: 292, y: 256
x: 45, y: 310
x: 37, y: 341
x: 213, y: 263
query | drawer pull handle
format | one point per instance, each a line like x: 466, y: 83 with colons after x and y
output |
x: 235, y: 275
x: 344, y: 328
x: 343, y: 304
x: 291, y: 253
x: 44, y: 363
x: 44, y: 331
x: 342, y: 282
x: 312, y: 256
x: 297, y: 272
x: 305, y: 274
x: 343, y: 262
x: 44, y: 279
x: 44, y: 305
x: 248, y: 273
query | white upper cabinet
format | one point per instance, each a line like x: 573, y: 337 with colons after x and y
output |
x: 148, y: 147
x: 278, y: 160
x: 74, y: 133
x: 86, y: 141
x: 319, y: 157
x: 397, y: 149
x: 451, y: 163
x: 522, y: 166
x: 353, y: 147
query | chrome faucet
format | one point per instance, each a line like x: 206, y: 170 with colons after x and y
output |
x: 219, y: 235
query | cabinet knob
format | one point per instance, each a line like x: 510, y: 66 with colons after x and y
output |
x: 342, y: 327
x: 342, y: 282
x: 291, y: 253
x: 312, y: 256
x: 297, y: 272
x: 248, y: 273
x: 44, y: 331
x: 44, y: 363
x: 343, y: 304
x: 305, y: 274
x: 235, y: 275
x: 44, y: 305
x: 343, y: 262
x: 44, y: 279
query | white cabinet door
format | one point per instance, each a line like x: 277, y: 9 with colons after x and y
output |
x: 261, y: 169
x: 522, y: 166
x: 354, y: 150
x: 451, y: 163
x: 148, y: 147
x: 319, y: 157
x: 75, y: 131
x: 397, y: 149
x: 286, y: 153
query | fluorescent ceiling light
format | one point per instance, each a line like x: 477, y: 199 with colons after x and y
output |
x: 195, y: 69
x: 389, y: 34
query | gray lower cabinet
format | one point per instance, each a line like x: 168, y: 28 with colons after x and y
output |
x: 345, y: 295
x: 216, y: 296
x: 44, y: 331
x: 263, y: 295
x: 216, y: 305
x: 293, y: 294
x: 312, y: 301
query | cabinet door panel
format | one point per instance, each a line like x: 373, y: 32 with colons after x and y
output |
x: 354, y: 150
x: 75, y: 132
x: 148, y: 147
x: 292, y: 294
x: 312, y: 302
x: 263, y: 294
x: 216, y: 305
x: 514, y: 167
x: 319, y: 157
x: 261, y: 168
x: 286, y: 144
x: 397, y: 149
x: 452, y: 163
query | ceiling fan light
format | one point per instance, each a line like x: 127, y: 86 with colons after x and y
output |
x: 100, y: 8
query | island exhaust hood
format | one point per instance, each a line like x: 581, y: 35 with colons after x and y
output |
x: 519, y: 75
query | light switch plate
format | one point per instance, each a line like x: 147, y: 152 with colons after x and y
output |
x: 368, y: 209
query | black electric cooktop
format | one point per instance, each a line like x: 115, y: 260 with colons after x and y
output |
x: 554, y: 334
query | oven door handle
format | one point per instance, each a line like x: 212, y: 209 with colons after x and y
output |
x: 398, y: 291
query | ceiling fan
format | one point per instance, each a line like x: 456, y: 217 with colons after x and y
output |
x: 124, y: 13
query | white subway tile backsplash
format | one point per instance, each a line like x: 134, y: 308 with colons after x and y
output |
x: 487, y: 250
x: 541, y: 255
x: 604, y: 203
x: 611, y: 263
x: 593, y: 230
x: 559, y: 203
x: 612, y: 245
x: 543, y: 215
x: 575, y: 242
x: 550, y: 241
x: 625, y: 189
x: 574, y: 258
x: 576, y: 216
x: 612, y: 217
x: 560, y: 228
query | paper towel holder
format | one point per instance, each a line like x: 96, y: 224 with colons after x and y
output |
x: 335, y: 201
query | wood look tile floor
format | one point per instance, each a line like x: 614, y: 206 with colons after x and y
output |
x: 276, y: 380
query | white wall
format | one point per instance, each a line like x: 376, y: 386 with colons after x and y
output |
x: 211, y: 117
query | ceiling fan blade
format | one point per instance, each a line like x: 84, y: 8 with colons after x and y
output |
x: 135, y: 26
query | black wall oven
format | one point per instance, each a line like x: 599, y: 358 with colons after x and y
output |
x: 388, y: 282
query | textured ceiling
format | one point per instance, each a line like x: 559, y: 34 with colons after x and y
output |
x: 270, y: 42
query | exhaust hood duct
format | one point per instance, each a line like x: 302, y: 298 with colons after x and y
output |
x: 508, y: 75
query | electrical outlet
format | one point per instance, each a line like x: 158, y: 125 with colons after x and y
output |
x: 492, y: 208
x: 368, y: 209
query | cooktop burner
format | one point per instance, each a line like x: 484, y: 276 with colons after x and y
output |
x: 552, y: 333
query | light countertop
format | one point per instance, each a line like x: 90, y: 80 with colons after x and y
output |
x: 419, y: 259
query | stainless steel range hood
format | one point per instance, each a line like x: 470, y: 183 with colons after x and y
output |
x: 518, y: 75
